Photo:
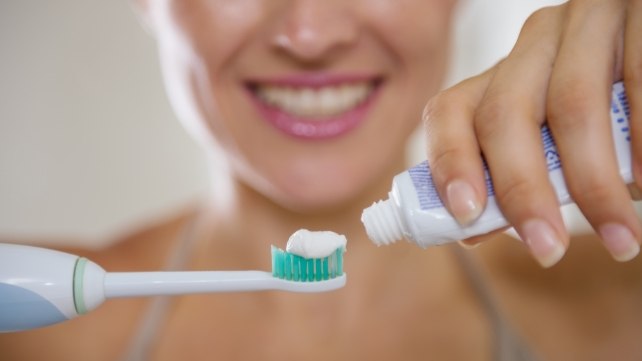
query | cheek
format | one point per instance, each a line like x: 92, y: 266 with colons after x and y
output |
x: 416, y: 31
x: 198, y: 43
x: 213, y: 30
x: 425, y: 50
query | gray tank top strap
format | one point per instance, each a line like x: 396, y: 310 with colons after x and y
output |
x: 142, y: 343
x: 508, y: 345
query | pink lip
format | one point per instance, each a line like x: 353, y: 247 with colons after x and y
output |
x: 315, y: 129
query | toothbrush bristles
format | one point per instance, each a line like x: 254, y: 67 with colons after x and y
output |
x: 293, y: 267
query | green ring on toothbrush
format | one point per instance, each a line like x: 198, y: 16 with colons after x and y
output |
x: 79, y: 291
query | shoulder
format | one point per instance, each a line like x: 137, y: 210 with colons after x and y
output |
x: 145, y: 247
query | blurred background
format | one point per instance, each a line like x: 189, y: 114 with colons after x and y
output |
x: 89, y: 147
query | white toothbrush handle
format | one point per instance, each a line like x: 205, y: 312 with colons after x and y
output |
x: 131, y: 284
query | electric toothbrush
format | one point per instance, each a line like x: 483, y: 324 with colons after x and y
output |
x: 41, y: 287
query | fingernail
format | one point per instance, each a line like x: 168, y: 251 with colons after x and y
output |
x: 543, y: 242
x: 468, y: 246
x: 619, y: 241
x: 463, y: 202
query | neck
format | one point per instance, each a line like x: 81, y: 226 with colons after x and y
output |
x: 239, y: 219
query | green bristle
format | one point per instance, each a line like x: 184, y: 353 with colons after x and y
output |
x: 332, y: 264
x: 309, y: 264
x: 296, y: 268
x: 288, y: 266
x: 304, y: 269
x: 326, y: 271
x: 317, y: 269
x: 277, y: 263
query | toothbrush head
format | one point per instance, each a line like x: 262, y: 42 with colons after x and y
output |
x: 292, y: 267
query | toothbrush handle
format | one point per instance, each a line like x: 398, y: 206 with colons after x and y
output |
x: 36, y: 287
x: 129, y: 284
x: 132, y: 284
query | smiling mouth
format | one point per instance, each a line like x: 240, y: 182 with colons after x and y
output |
x: 315, y: 102
x: 315, y: 106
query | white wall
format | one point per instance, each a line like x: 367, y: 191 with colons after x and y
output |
x: 88, y: 144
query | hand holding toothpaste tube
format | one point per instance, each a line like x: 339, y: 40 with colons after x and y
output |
x: 560, y: 71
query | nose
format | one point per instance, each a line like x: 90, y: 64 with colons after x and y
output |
x: 311, y: 30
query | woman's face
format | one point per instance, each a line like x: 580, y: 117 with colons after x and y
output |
x: 312, y: 101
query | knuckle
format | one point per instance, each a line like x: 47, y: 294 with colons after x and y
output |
x: 491, y: 116
x: 592, y: 190
x: 596, y: 6
x: 569, y: 105
x: 442, y: 161
x: 634, y: 191
x: 437, y: 118
x: 633, y: 69
x: 516, y: 191
x: 540, y: 33
x: 436, y: 106
x: 456, y: 100
x: 540, y: 18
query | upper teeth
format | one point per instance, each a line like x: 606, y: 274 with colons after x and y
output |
x: 315, y: 102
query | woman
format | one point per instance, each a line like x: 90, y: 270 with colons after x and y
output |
x: 310, y: 104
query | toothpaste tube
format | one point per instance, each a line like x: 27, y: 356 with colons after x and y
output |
x: 415, y: 212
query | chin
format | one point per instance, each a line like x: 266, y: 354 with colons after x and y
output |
x: 315, y: 205
x: 320, y: 199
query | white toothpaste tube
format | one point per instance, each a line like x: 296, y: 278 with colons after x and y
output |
x: 415, y: 212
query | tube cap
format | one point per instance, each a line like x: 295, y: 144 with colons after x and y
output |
x: 382, y: 223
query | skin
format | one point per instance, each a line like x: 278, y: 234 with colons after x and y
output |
x: 400, y: 302
x: 560, y: 78
x: 224, y: 51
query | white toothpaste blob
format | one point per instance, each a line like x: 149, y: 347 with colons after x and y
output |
x: 318, y: 244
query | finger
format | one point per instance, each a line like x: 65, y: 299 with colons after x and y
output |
x: 473, y: 242
x: 452, y: 149
x: 632, y: 69
x: 635, y: 192
x: 508, y: 125
x: 579, y: 117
